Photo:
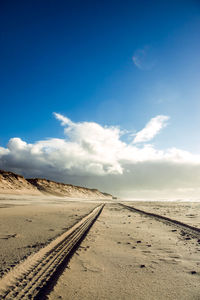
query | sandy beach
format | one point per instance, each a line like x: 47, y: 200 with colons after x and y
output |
x: 187, y: 212
x: 29, y: 223
x: 125, y: 255
x: 99, y: 150
x: 128, y: 256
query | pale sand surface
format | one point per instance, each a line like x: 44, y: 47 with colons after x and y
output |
x: 129, y: 256
x: 186, y: 212
x: 124, y: 256
x: 29, y: 223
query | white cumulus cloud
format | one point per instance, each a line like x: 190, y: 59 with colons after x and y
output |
x: 96, y: 156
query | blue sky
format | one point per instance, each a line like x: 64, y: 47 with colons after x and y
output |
x: 115, y: 63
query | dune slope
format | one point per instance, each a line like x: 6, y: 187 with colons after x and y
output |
x: 11, y: 183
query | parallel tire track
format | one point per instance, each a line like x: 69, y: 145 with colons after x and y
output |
x: 186, y: 227
x: 28, y: 278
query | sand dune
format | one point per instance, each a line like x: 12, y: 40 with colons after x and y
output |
x: 11, y: 183
x: 69, y: 190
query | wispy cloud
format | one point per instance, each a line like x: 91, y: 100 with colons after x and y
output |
x: 94, y: 155
x: 143, y: 58
x: 138, y: 58
x: 152, y: 128
x: 64, y: 120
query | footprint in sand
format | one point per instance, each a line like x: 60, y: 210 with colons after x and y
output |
x: 89, y: 267
x: 7, y: 236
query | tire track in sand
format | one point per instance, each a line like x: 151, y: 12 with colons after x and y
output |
x: 186, y: 228
x: 26, y: 280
